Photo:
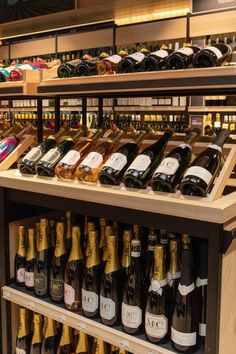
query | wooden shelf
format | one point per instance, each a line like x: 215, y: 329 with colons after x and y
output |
x: 115, y: 336
x: 209, y: 109
x: 149, y: 109
x: 28, y: 86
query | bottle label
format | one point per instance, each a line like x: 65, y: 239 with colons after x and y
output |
x: 162, y: 53
x: 137, y: 56
x: 171, y: 277
x: 157, y: 286
x: 20, y: 275
x: 150, y: 248
x: 135, y: 254
x: 93, y: 160
x: 51, y: 156
x: 71, y: 158
x: 201, y: 282
x: 33, y: 155
x: 89, y: 301
x: 141, y: 163
x: 131, y: 316
x: 29, y: 279
x: 20, y: 351
x: 117, y: 161
x: 200, y: 172
x: 115, y: 59
x: 57, y: 288
x: 186, y: 51
x: 155, y: 325
x: 107, y: 308
x: 216, y: 147
x: 202, y: 329
x: 40, y: 283
x: 185, y: 290
x: 216, y: 51
x: 69, y: 294
x: 184, y: 146
x: 184, y: 339
x: 168, y: 166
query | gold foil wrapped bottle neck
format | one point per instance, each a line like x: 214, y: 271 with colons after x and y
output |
x: 21, y: 251
x: 82, y: 346
x: 127, y: 236
x: 186, y: 241
x: 50, y: 328
x: 31, y: 253
x: 60, y: 248
x: 37, y: 335
x: 75, y: 253
x: 159, y: 272
x: 66, y: 337
x: 112, y: 263
x: 23, y: 325
x: 93, y: 258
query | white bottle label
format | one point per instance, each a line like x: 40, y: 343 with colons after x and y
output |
x: 216, y: 51
x: 107, y: 308
x: 202, y: 329
x: 168, y: 166
x: 157, y: 286
x: 141, y: 163
x: 20, y: 274
x: 51, y: 156
x: 137, y: 56
x: 117, y: 161
x: 200, y: 172
x: 71, y: 158
x: 93, y: 160
x: 185, y: 290
x: 185, y: 339
x: 69, y: 294
x: 114, y: 59
x: 186, y: 50
x: 33, y: 155
x: 171, y: 277
x: 201, y: 282
x: 156, y: 326
x: 162, y: 53
x: 29, y: 279
x: 131, y: 316
x: 89, y: 301
x: 20, y: 351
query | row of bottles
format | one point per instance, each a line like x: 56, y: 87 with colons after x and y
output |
x: 144, y: 286
x: 46, y: 336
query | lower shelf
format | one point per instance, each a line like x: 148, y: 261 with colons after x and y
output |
x: 134, y: 344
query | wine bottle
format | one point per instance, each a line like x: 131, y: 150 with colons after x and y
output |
x: 101, y: 347
x: 50, y: 340
x: 30, y: 261
x: 182, y: 58
x: 43, y: 262
x: 88, y: 67
x: 89, y: 168
x: 156, y: 60
x: 66, y: 167
x: 108, y: 232
x: 109, y: 65
x: 214, y: 55
x: 68, y: 233
x: 133, y: 301
x: 68, y: 69
x: 58, y: 265
x: 23, y: 336
x: 170, y: 171
x: 36, y: 342
x: 65, y: 345
x: 5, y: 72
x: 7, y: 145
x: 201, y: 285
x: 157, y: 325
x: 17, y: 74
x: 140, y: 171
x: 110, y: 294
x: 184, y: 328
x: 28, y: 162
x: 102, y: 238
x: 152, y: 241
x: 199, y: 177
x: 126, y: 256
x: 82, y: 345
x: 90, y: 227
x: 53, y: 232
x: 113, y: 170
x: 20, y: 258
x: 46, y: 165
x: 74, y: 274
x: 132, y: 62
x: 91, y: 278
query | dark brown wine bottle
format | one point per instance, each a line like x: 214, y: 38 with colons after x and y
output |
x: 68, y: 231
x: 30, y: 261
x: 50, y: 340
x: 20, y: 258
x: 83, y: 344
x: 23, y: 336
x: 36, y: 342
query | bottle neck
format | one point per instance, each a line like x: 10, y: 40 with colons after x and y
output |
x: 68, y: 226
x: 102, y: 241
x: 31, y: 253
x: 192, y: 137
x: 187, y: 271
x: 50, y: 330
x: 93, y: 258
x: 126, y: 255
x: 24, y: 131
x: 82, y: 346
x: 100, y: 347
x: 37, y: 337
x: 140, y: 137
x: 21, y: 245
x: 75, y: 253
x: 161, y: 143
x: 112, y: 263
x: 43, y: 237
x: 97, y: 135
x: 221, y: 138
x: 159, y: 272
x: 174, y: 262
x: 66, y: 336
x: 60, y: 248
x: 23, y: 326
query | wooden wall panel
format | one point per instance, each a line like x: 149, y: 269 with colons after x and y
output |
x: 161, y: 30
x: 85, y: 40
x: 4, y: 52
x: 31, y: 48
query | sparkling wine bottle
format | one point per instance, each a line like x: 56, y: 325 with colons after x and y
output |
x: 23, y: 336
x: 30, y: 261
x: 102, y: 238
x: 50, y: 340
x: 68, y: 231
x: 83, y: 344
x: 101, y: 347
x: 20, y: 258
x: 152, y: 241
x: 168, y: 174
x: 199, y: 177
x: 65, y: 345
x: 214, y: 55
x: 156, y: 60
x: 126, y: 256
x: 182, y: 58
x: 36, y: 342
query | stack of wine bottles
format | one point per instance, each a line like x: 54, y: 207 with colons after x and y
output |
x: 139, y: 281
x: 111, y: 162
x: 162, y: 59
x: 46, y: 336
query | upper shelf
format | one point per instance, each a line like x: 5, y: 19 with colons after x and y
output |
x: 184, y: 82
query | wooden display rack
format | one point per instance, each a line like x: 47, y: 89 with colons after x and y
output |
x: 28, y: 86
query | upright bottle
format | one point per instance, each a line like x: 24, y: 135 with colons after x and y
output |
x: 28, y: 162
x: 20, y: 258
x: 68, y: 231
x: 68, y: 69
x: 67, y: 166
x: 50, y: 340
x: 110, y: 295
x: 184, y: 330
x: 65, y: 345
x: 74, y: 274
x: 152, y: 241
x: 113, y: 170
x: 168, y: 174
x: 102, y: 238
x: 214, y: 55
x: 91, y: 279
x: 199, y: 177
x: 89, y: 168
x: 58, y: 266
x: 30, y: 261
x: 108, y: 232
x: 23, y: 336
x: 43, y: 262
x: 126, y: 256
x: 36, y: 342
x: 133, y: 297
x: 140, y: 171
x: 101, y: 347
x: 132, y: 62
x: 157, y: 322
x: 182, y: 58
x: 83, y: 344
x: 156, y: 60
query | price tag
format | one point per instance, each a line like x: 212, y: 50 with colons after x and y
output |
x: 123, y: 343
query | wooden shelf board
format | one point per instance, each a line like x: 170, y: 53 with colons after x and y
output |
x: 150, y: 109
x: 209, y: 109
x: 28, y: 86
